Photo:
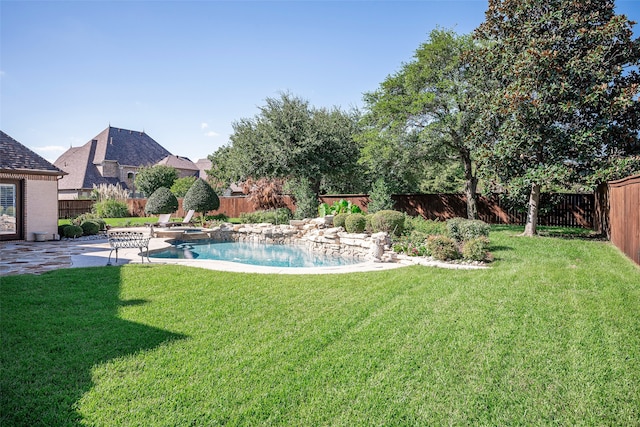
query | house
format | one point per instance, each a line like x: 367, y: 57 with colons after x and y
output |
x: 204, y: 165
x: 28, y: 193
x: 114, y: 156
x: 183, y: 165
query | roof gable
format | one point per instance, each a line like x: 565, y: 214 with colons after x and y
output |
x: 17, y: 157
x: 127, y: 147
x: 178, y: 162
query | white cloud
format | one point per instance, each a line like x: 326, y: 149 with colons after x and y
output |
x: 211, y: 134
x: 204, y: 125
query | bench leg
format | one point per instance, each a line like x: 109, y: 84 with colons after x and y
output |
x: 109, y: 261
x: 142, y: 253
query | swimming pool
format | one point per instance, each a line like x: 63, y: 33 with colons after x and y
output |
x: 252, y: 253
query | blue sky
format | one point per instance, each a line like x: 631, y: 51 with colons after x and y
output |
x: 184, y: 71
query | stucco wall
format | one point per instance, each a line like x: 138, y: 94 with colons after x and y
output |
x: 41, y: 207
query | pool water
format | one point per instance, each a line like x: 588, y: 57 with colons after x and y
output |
x: 252, y: 253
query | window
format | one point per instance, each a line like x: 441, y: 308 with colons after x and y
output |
x: 10, y: 210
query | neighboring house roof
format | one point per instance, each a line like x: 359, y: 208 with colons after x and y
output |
x: 126, y: 147
x: 178, y: 162
x: 18, y: 158
x: 204, y: 165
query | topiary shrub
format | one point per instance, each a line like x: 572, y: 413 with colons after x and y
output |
x: 72, y: 231
x: 389, y: 221
x: 355, y: 223
x: 162, y: 201
x: 339, y: 220
x: 426, y: 226
x: 368, y: 227
x: 111, y: 209
x: 442, y: 248
x: 201, y: 198
x: 90, y: 227
x: 476, y: 249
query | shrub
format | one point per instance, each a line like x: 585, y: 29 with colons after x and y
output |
x: 426, y: 226
x: 72, y: 231
x: 201, y: 198
x: 182, y: 185
x: 272, y: 216
x: 61, y: 229
x: 341, y: 206
x: 89, y: 216
x: 442, y: 248
x: 380, y: 197
x: 90, y: 227
x: 111, y: 209
x: 476, y: 249
x: 368, y: 227
x: 162, y: 201
x: 340, y: 220
x: 462, y: 229
x: 305, y: 199
x: 390, y: 221
x: 355, y: 223
x: 218, y: 217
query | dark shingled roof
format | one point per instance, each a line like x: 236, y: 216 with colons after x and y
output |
x: 127, y: 147
x: 15, y: 157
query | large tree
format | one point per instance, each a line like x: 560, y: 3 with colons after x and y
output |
x: 291, y: 139
x: 561, y: 92
x: 149, y: 179
x: 421, y: 114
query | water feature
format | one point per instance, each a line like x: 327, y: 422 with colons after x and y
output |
x: 270, y: 255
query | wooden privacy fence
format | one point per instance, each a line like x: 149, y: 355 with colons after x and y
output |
x: 624, y: 215
x: 568, y: 210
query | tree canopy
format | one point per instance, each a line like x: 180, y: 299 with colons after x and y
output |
x: 161, y: 201
x: 290, y: 139
x: 419, y: 117
x: 563, y: 98
x: 149, y: 179
x: 201, y: 198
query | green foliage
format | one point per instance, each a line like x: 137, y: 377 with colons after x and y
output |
x: 426, y: 226
x: 338, y: 207
x: 462, y: 229
x: 219, y: 217
x: 272, y: 216
x: 61, y: 228
x: 306, y: 200
x: 380, y: 197
x: 10, y: 211
x: 72, y: 231
x: 111, y: 208
x: 291, y: 139
x: 355, y: 223
x: 442, y: 248
x: 415, y: 244
x: 182, y: 185
x: 560, y: 93
x: 149, y: 179
x: 419, y: 119
x: 201, y: 198
x: 389, y: 221
x: 90, y: 227
x: 476, y: 249
x: 162, y: 201
x: 340, y: 220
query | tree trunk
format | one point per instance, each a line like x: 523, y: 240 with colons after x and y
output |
x: 601, y: 223
x: 532, y: 213
x: 471, y: 185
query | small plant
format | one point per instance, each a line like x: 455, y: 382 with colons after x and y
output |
x: 340, y: 220
x: 426, y: 226
x: 389, y: 221
x: 72, y: 231
x: 476, y: 249
x: 338, y: 207
x: 442, y: 248
x: 355, y: 223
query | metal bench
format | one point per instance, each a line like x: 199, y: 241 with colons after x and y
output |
x: 126, y: 240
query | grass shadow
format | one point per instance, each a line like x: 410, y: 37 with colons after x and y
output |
x: 55, y: 328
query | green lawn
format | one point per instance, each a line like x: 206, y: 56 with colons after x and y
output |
x: 549, y: 335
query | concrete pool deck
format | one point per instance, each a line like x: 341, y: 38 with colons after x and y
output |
x: 39, y: 257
